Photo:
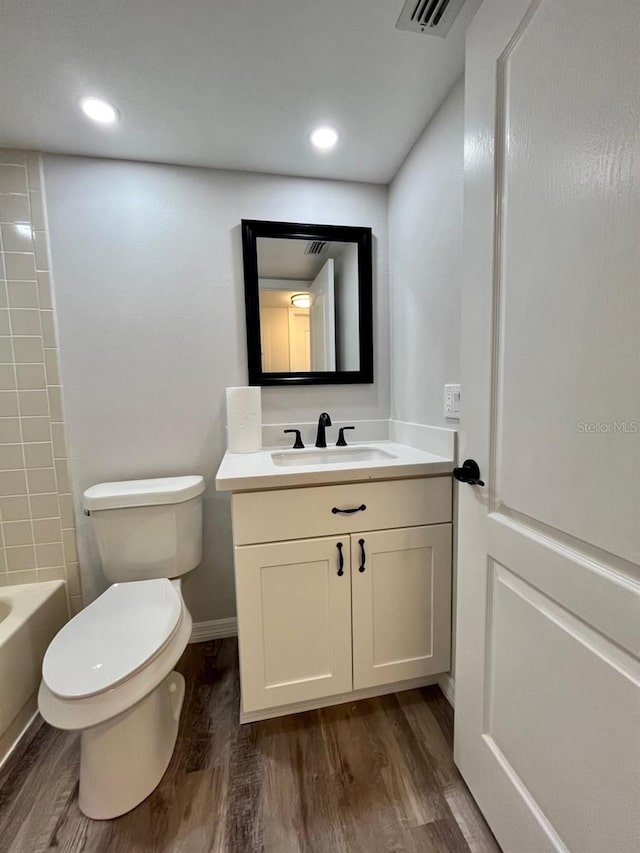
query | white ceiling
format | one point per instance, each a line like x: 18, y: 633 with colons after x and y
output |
x: 234, y: 84
x: 286, y: 259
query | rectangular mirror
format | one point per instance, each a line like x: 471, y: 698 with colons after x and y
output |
x: 308, y: 297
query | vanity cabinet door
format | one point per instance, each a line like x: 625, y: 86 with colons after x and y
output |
x: 401, y: 589
x: 294, y: 618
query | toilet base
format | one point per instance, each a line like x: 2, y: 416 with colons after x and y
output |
x: 123, y: 760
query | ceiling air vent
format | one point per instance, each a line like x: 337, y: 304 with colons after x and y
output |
x: 315, y: 247
x: 431, y: 17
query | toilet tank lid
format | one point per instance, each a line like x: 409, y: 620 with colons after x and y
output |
x: 154, y: 492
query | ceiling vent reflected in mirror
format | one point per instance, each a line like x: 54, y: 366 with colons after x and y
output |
x: 430, y: 17
x: 316, y: 247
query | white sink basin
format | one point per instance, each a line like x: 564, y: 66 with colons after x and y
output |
x: 330, y: 456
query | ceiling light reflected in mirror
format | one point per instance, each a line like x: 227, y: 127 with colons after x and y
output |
x: 301, y: 300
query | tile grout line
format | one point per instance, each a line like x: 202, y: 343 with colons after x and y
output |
x: 55, y: 349
x: 31, y: 190
x: 63, y: 429
x: 33, y: 533
x: 15, y: 379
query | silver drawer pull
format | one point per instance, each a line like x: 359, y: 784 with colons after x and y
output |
x: 337, y: 510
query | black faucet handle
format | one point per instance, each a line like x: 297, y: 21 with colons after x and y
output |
x: 297, y: 444
x: 342, y: 442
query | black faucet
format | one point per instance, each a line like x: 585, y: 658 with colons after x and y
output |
x: 323, y: 421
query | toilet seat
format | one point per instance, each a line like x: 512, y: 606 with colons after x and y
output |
x: 112, y: 639
x: 88, y: 711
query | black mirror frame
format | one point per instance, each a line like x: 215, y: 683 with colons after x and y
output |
x: 252, y: 229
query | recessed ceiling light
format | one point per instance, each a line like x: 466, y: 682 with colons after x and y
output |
x: 324, y: 138
x: 98, y: 110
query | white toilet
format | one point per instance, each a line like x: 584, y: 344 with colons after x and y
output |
x: 108, y: 672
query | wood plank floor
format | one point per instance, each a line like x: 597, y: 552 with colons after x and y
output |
x: 368, y: 777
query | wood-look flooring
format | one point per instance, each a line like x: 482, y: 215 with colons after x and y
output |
x: 367, y: 777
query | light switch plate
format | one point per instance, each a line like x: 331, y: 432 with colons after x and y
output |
x: 452, y: 401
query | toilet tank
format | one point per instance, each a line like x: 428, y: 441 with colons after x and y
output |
x: 147, y: 528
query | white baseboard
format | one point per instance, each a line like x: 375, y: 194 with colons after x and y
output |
x: 447, y: 684
x: 214, y: 629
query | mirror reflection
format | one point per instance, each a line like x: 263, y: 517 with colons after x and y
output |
x: 308, y: 302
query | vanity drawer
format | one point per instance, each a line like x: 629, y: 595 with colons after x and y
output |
x: 274, y: 516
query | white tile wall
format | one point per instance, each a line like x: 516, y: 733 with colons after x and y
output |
x: 37, y: 530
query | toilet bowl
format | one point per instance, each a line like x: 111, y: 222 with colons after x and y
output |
x: 109, y: 672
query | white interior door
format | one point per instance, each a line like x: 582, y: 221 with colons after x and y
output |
x: 548, y: 638
x: 274, y: 328
x: 323, y: 319
x: 299, y: 340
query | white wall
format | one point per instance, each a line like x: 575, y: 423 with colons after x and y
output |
x: 425, y: 247
x: 150, y: 307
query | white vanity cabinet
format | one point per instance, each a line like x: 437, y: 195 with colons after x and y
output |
x: 294, y: 621
x: 401, y: 604
x: 342, y: 591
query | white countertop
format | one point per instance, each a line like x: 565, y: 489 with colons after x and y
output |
x: 242, y: 472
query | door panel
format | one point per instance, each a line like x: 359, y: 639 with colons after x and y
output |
x: 570, y: 248
x: 564, y: 691
x: 604, y: 599
x: 401, y: 604
x: 548, y: 627
x: 294, y: 616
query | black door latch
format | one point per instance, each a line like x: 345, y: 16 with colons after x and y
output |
x: 469, y: 473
